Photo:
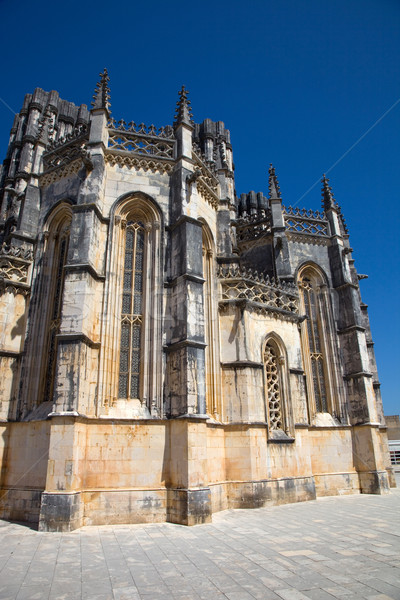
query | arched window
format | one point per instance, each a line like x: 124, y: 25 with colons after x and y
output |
x: 318, y: 344
x: 59, y: 240
x: 276, y: 387
x: 39, y: 363
x: 213, y: 407
x: 131, y: 351
x: 131, y: 312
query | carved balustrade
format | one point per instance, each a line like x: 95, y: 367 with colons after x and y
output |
x: 246, y: 284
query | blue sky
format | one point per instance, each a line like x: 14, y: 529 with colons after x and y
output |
x: 297, y: 82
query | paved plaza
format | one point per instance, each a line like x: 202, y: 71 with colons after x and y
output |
x: 338, y: 547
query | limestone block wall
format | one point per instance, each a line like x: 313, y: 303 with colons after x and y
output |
x: 243, y: 393
x: 121, y: 180
x: 24, y: 455
x: 13, y: 310
x: 9, y: 379
x: 330, y: 450
x: 76, y: 377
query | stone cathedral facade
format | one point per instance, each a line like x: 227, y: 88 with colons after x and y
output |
x: 169, y: 349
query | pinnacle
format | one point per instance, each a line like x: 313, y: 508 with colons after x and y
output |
x: 183, y: 111
x: 273, y: 185
x: 328, y: 200
x: 101, y: 96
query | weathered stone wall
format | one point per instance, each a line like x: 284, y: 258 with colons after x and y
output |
x: 23, y: 455
x: 393, y: 427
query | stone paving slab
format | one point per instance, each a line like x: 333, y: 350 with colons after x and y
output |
x: 345, y: 548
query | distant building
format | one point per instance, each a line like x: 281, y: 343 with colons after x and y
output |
x: 170, y: 349
x: 393, y: 433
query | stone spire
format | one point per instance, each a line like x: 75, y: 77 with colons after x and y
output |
x: 101, y: 97
x: 328, y: 201
x: 273, y: 185
x: 183, y: 111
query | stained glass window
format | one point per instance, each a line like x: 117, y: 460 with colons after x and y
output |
x: 131, y: 312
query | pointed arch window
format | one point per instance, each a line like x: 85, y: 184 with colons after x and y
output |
x: 131, y: 312
x: 314, y: 331
x: 130, y: 382
x: 276, y: 388
x: 60, y: 243
x: 319, y: 344
x: 39, y: 363
x: 213, y: 402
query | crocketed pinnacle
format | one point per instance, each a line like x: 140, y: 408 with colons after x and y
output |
x: 273, y: 185
x: 183, y: 111
x: 328, y: 200
x: 101, y: 97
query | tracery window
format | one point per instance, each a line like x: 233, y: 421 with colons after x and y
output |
x: 213, y: 407
x: 318, y: 343
x: 60, y: 250
x: 272, y: 365
x: 131, y: 370
x: 277, y: 388
x: 131, y: 312
x: 44, y: 321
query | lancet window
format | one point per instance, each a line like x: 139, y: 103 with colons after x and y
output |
x: 60, y: 250
x: 131, y: 312
x: 318, y: 345
x: 131, y: 357
x: 40, y: 358
x: 213, y: 407
x: 276, y: 387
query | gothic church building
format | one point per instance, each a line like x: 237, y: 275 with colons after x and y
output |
x: 169, y: 349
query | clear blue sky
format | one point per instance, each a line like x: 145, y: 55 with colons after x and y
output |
x: 297, y: 83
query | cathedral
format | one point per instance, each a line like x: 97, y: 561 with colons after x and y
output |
x: 169, y: 348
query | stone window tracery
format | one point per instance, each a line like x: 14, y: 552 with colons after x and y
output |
x: 40, y: 359
x: 213, y: 403
x: 130, y: 382
x: 60, y: 241
x: 316, y: 354
x: 319, y: 344
x: 131, y: 312
x: 272, y: 364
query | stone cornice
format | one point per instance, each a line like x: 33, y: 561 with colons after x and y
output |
x: 184, y: 344
x: 351, y: 328
x: 73, y: 338
x: 84, y: 267
x: 90, y: 207
x: 242, y: 364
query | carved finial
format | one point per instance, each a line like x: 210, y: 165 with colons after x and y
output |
x: 328, y: 200
x: 183, y: 112
x: 273, y: 185
x: 101, y: 97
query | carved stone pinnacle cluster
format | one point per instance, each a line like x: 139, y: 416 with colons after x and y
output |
x: 328, y: 201
x: 273, y: 185
x: 183, y: 111
x: 101, y: 96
